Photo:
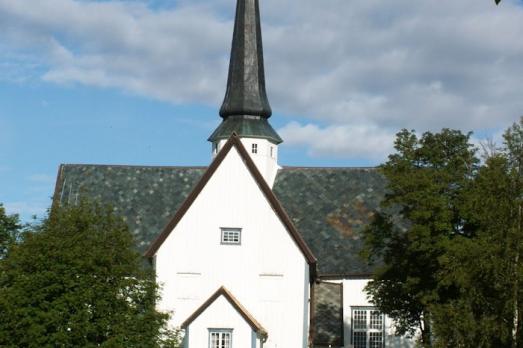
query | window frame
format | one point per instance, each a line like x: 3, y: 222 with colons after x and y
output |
x: 368, y: 325
x: 254, y: 148
x: 225, y: 230
x: 220, y: 332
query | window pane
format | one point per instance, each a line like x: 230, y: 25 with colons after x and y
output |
x: 360, y: 340
x: 359, y: 320
x: 376, y: 340
x: 376, y: 320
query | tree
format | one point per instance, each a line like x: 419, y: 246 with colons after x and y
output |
x: 9, y: 231
x: 418, y: 216
x: 485, y: 266
x: 77, y: 281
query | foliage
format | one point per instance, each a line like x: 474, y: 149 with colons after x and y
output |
x: 420, y: 214
x: 486, y: 268
x: 77, y: 281
x: 9, y: 231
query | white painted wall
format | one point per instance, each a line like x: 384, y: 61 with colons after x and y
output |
x: 265, y: 160
x: 220, y: 315
x: 353, y: 295
x: 268, y: 273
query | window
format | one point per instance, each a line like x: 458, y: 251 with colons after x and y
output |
x: 272, y: 152
x: 367, y: 328
x: 220, y: 338
x: 214, y: 148
x: 232, y: 236
x: 254, y: 148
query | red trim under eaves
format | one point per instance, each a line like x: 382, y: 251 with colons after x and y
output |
x: 234, y: 141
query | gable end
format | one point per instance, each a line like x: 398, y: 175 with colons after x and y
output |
x: 235, y: 141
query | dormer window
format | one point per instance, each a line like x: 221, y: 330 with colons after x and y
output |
x: 231, y: 236
x: 254, y: 148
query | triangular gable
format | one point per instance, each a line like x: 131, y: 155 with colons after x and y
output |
x: 222, y: 291
x: 234, y: 141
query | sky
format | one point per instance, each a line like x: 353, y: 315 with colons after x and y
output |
x: 141, y: 82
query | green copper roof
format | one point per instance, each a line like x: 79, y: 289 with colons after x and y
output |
x: 329, y: 207
x: 245, y: 126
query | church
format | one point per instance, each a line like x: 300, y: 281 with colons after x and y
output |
x: 250, y: 253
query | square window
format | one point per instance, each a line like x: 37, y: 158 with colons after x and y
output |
x: 254, y: 148
x: 231, y: 236
x: 220, y: 338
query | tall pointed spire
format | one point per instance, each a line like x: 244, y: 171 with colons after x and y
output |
x: 246, y: 95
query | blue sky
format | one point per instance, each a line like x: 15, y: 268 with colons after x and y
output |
x: 141, y: 82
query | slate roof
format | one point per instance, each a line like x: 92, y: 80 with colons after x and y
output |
x: 329, y: 206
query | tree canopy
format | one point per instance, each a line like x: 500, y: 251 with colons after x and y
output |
x: 419, y: 214
x: 449, y: 238
x: 77, y: 281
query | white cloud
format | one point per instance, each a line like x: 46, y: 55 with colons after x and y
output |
x: 359, y: 67
x: 358, y: 141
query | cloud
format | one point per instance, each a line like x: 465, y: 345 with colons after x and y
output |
x: 355, y: 67
x: 368, y: 142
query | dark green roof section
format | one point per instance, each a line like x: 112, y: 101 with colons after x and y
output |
x: 245, y: 126
x: 330, y: 207
x: 146, y: 197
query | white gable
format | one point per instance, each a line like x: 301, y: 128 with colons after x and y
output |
x: 221, y: 316
x: 267, y: 272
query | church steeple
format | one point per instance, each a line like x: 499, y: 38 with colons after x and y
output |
x: 245, y: 109
x: 246, y: 83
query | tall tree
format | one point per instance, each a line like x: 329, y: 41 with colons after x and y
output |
x: 77, y: 281
x: 485, y: 267
x: 419, y: 214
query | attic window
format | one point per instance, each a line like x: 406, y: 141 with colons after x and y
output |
x: 272, y: 152
x: 254, y: 148
x: 231, y: 236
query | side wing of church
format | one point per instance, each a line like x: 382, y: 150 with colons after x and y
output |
x: 250, y: 253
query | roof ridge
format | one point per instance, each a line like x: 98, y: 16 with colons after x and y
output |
x: 335, y: 168
x: 132, y: 166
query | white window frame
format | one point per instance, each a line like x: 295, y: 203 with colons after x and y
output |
x: 231, y: 236
x: 254, y: 148
x: 221, y: 333
x: 370, y: 327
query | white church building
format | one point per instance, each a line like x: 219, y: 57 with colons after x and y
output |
x: 250, y: 253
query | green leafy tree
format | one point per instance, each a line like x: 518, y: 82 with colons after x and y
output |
x: 77, y: 281
x: 419, y: 214
x: 485, y: 266
x: 9, y: 231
